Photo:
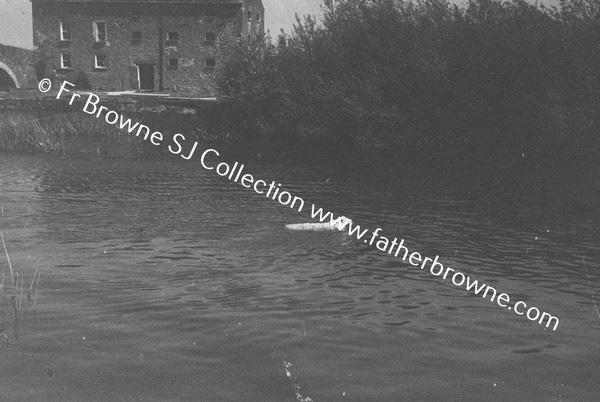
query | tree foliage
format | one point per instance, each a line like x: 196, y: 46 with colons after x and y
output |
x: 390, y: 74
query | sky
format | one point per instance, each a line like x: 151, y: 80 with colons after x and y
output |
x: 15, y: 18
x: 15, y: 23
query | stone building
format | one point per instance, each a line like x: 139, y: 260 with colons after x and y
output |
x: 147, y: 45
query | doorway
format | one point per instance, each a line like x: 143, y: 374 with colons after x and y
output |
x: 146, y: 77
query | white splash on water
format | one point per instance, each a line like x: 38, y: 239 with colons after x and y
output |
x: 296, y: 387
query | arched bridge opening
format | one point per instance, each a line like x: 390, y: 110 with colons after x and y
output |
x: 8, y: 79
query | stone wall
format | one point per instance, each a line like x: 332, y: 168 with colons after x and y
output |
x: 253, y: 18
x: 16, y: 68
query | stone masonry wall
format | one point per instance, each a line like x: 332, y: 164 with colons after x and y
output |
x: 190, y: 74
x: 17, y: 63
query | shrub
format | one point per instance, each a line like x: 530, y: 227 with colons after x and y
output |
x: 495, y: 76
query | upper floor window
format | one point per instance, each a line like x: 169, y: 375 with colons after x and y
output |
x: 100, y: 31
x: 258, y: 18
x: 136, y: 13
x: 100, y: 61
x: 65, y: 31
x: 65, y: 60
x: 173, y: 63
x: 173, y: 36
x: 209, y: 12
x: 210, y: 63
x: 210, y: 38
x: 249, y: 16
x: 136, y: 35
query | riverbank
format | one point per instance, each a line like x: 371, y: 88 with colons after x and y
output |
x: 45, y: 124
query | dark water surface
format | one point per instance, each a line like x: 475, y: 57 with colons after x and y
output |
x: 162, y: 281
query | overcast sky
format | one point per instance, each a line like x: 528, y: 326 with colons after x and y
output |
x: 15, y: 17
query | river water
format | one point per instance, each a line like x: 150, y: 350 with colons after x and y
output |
x: 163, y: 281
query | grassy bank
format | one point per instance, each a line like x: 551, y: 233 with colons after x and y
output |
x: 73, y: 131
x: 57, y: 127
x: 28, y: 125
x: 48, y: 131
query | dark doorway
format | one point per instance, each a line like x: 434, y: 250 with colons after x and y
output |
x: 146, y: 77
x: 40, y: 70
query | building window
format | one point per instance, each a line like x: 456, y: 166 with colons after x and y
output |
x: 65, y: 60
x: 173, y: 64
x: 100, y: 31
x: 100, y: 62
x: 210, y: 64
x: 173, y: 36
x: 65, y: 31
x: 210, y: 38
x: 136, y: 13
x: 136, y: 36
x: 258, y: 18
x: 210, y: 12
x: 250, y: 16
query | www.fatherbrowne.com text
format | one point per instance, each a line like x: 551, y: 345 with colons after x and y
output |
x: 178, y: 146
x: 398, y: 248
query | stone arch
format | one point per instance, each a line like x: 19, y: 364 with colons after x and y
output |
x: 10, y: 73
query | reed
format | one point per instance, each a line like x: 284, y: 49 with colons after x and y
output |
x: 48, y: 131
x: 12, y: 295
x: 72, y: 130
x: 12, y: 276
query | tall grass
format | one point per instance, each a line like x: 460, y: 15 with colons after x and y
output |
x: 64, y: 131
x: 48, y: 131
x: 13, y: 291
